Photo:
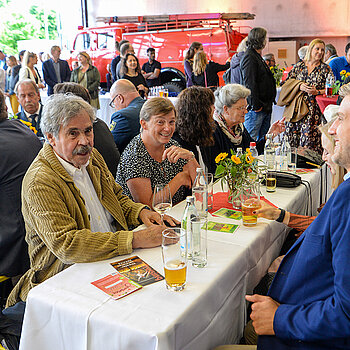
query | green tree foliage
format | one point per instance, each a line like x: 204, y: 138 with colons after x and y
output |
x: 24, y: 26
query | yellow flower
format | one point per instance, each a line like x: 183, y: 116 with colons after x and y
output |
x: 343, y: 72
x: 249, y: 159
x: 235, y: 159
x: 248, y: 150
x: 347, y: 74
x: 29, y: 124
x: 220, y: 157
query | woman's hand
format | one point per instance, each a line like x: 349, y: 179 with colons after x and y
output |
x: 266, y: 211
x: 311, y: 90
x: 41, y: 86
x: 174, y: 153
x: 141, y: 87
x: 277, y: 127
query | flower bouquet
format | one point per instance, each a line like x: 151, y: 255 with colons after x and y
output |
x: 343, y: 75
x: 277, y: 73
x: 237, y: 172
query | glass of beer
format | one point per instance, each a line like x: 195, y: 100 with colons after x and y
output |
x: 271, y: 181
x: 250, y: 202
x: 174, y: 258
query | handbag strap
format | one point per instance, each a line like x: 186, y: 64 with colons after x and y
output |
x: 205, y: 78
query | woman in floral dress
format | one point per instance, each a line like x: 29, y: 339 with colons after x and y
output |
x: 314, y: 73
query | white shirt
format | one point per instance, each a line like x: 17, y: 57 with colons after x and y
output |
x: 346, y: 176
x: 100, y: 219
x: 28, y: 115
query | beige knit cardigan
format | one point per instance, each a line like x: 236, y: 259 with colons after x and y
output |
x: 57, y: 223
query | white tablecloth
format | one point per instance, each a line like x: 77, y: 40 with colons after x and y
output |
x: 105, y: 112
x: 67, y: 312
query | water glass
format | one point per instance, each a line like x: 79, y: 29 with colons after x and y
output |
x: 199, y: 241
x: 174, y: 261
x: 292, y: 166
x: 210, y: 181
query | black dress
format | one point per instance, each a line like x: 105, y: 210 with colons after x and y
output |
x: 224, y: 144
x: 211, y: 71
x: 137, y: 80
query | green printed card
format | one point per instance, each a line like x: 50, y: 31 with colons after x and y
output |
x: 220, y: 227
x: 229, y: 213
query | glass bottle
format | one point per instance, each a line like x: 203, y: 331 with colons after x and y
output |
x: 269, y: 152
x: 200, y: 193
x: 189, y: 213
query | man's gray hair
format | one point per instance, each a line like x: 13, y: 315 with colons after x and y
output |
x: 59, y: 109
x: 302, y: 52
x: 228, y: 95
x: 257, y: 38
x: 268, y: 57
x: 26, y: 82
x: 344, y: 90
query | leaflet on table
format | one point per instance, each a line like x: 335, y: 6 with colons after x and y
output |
x: 220, y: 227
x: 137, y: 270
x: 229, y: 213
x: 116, y: 285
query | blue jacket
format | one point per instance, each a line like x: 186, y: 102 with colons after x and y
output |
x: 50, y: 74
x: 338, y: 64
x: 22, y: 115
x: 125, y: 124
x: 313, y: 284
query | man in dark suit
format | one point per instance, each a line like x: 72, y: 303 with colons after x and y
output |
x: 18, y: 147
x: 256, y: 76
x: 125, y: 122
x: 29, y: 98
x: 55, y: 70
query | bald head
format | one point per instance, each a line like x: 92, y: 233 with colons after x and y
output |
x: 123, y: 92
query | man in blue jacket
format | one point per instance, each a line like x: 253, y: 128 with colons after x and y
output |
x: 125, y: 122
x: 55, y: 70
x: 308, y: 304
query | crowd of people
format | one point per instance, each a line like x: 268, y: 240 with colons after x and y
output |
x: 80, y: 176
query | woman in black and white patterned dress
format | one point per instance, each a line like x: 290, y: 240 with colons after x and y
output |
x: 152, y: 157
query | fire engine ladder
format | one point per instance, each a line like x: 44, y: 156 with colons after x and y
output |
x: 158, y: 22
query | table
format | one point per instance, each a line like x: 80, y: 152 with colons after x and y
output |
x: 323, y: 101
x: 67, y: 312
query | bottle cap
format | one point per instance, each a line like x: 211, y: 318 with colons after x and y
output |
x: 253, y: 144
x: 190, y: 199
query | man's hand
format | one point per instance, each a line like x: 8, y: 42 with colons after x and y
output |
x: 263, y: 313
x: 150, y: 218
x: 149, y: 237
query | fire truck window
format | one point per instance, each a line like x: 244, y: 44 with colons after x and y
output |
x: 82, y: 42
x: 106, y: 41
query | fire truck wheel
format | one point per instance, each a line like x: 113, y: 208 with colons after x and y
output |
x: 173, y: 86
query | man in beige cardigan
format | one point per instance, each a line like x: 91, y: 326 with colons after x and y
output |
x: 73, y: 209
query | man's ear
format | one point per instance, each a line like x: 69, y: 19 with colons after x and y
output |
x: 51, y: 139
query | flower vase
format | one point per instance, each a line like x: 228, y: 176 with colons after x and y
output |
x: 234, y: 196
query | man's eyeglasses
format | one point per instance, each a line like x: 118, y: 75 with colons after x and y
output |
x: 243, y: 108
x: 111, y: 104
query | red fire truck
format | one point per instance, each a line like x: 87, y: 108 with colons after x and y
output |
x: 169, y: 35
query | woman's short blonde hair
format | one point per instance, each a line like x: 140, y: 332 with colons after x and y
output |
x: 200, y: 61
x: 86, y: 55
x: 156, y: 106
x: 310, y: 48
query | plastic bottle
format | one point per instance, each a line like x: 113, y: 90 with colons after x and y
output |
x: 329, y: 85
x: 200, y: 193
x: 253, y: 175
x: 286, y: 154
x: 269, y: 153
x: 239, y: 151
x: 189, y: 213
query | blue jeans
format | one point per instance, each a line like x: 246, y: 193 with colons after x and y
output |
x: 257, y: 124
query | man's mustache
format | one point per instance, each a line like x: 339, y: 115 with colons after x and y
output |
x: 82, y: 150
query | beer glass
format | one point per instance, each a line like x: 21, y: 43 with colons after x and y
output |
x: 174, y: 258
x: 250, y: 196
